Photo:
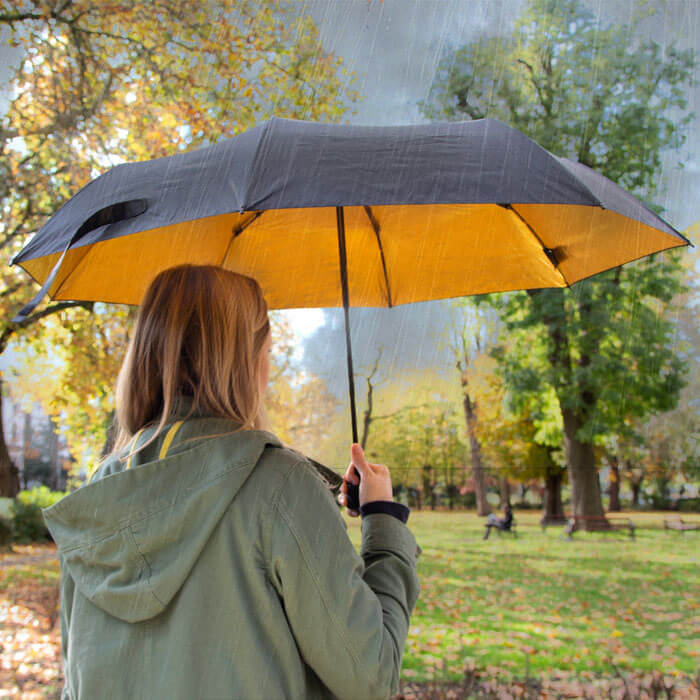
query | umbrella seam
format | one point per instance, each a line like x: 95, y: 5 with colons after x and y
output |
x: 237, y: 231
x: 253, y: 163
x: 375, y: 227
x: 63, y: 282
x: 545, y: 248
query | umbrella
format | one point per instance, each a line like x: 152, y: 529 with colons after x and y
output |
x: 328, y: 215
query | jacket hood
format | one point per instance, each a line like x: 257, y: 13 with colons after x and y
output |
x: 131, y: 538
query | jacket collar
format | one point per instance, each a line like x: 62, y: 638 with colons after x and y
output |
x: 184, y: 408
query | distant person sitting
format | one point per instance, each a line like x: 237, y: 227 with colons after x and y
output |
x: 502, y: 524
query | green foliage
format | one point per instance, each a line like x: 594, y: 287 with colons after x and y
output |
x: 592, y: 93
x: 27, y: 519
x: 28, y: 523
x: 609, y: 351
x: 422, y: 443
x: 40, y: 496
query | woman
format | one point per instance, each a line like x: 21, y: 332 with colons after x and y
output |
x: 205, y: 560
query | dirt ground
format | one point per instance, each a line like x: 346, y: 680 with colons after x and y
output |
x: 30, y: 639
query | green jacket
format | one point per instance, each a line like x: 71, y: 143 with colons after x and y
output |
x: 224, y: 570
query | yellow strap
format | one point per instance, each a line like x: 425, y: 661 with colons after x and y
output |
x: 134, y: 442
x: 169, y: 438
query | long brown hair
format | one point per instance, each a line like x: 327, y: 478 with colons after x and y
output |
x: 198, y: 339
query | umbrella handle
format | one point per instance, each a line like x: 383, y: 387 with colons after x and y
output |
x: 352, y: 497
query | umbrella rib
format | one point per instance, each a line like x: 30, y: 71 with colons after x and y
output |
x: 375, y: 226
x: 549, y: 252
x: 237, y: 231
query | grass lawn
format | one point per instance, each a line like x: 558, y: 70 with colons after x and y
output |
x: 541, y: 605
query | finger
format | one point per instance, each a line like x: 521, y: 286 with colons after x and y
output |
x: 358, y: 459
x: 353, y: 513
x: 378, y: 468
x: 351, y: 475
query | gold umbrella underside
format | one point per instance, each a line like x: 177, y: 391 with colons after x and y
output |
x: 429, y: 252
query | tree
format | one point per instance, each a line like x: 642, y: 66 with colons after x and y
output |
x: 417, y: 433
x: 472, y: 333
x: 671, y: 439
x: 522, y: 424
x: 596, y: 95
x: 99, y: 83
x: 70, y: 368
x: 423, y: 447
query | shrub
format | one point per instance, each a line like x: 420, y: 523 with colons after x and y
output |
x: 28, y: 523
x: 5, y: 532
x: 689, y: 505
x: 41, y: 496
x: 526, y: 505
x: 27, y: 520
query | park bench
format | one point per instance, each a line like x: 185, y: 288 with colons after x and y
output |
x: 557, y: 522
x: 677, y: 523
x: 597, y: 523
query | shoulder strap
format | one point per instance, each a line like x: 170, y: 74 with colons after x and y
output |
x: 169, y: 436
x: 169, y: 439
x: 132, y: 447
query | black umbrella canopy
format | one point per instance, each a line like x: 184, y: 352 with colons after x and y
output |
x: 430, y: 211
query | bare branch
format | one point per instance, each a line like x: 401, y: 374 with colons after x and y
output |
x: 11, y: 328
x: 543, y: 100
x: 13, y: 17
x: 11, y: 290
x: 401, y: 410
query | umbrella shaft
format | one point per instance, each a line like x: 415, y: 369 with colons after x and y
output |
x: 340, y: 218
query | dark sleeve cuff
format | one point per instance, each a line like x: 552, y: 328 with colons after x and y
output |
x: 398, y: 510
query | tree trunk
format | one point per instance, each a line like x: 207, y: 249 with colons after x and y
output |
x: 428, y: 485
x: 54, y: 461
x: 451, y: 488
x: 419, y: 499
x: 482, y: 504
x: 553, y: 508
x: 26, y: 447
x: 586, y: 498
x: 635, y: 480
x: 367, y: 416
x: 614, y: 491
x: 503, y: 492
x: 636, y: 491
x: 9, y: 474
x: 583, y: 477
x: 523, y: 492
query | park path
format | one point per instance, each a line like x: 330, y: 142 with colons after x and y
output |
x: 42, y: 557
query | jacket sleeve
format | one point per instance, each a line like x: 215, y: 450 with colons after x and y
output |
x: 349, y: 614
